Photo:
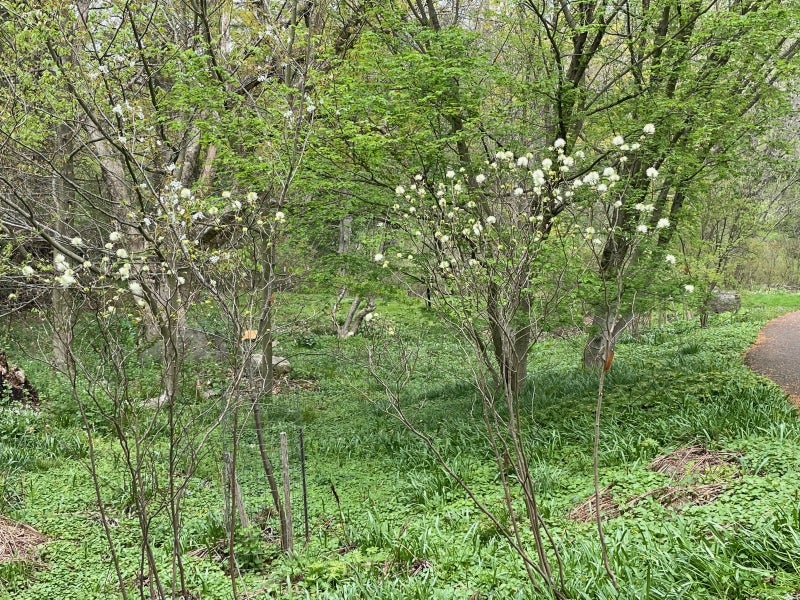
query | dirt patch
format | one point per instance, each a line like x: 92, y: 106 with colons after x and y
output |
x: 18, y: 541
x: 586, y: 512
x: 691, y: 460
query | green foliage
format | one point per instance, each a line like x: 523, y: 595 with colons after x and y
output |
x: 405, y: 529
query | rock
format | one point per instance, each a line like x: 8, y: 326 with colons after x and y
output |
x: 724, y: 301
x: 157, y: 402
x: 280, y: 365
x: 197, y: 346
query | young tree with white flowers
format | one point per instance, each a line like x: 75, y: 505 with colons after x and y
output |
x: 503, y: 250
x: 186, y: 126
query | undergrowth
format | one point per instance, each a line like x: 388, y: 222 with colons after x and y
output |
x: 387, y: 522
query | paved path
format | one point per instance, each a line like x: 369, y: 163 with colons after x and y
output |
x: 776, y: 354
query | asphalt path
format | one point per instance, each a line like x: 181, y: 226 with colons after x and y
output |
x: 776, y: 354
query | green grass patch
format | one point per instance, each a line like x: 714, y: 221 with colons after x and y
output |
x: 387, y: 522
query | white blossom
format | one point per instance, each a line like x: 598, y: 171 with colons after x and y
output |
x: 670, y: 259
x: 618, y: 140
x: 122, y: 253
x: 652, y: 172
x: 547, y: 164
x: 689, y: 288
x: 60, y: 263
x: 641, y: 228
x: 76, y: 241
x: 378, y: 257
x: 522, y: 161
x: 491, y: 220
x: 450, y: 174
x: 28, y: 271
x: 480, y: 178
x: 399, y: 190
x: 591, y: 178
x: 538, y: 178
x: 66, y: 280
x: 114, y: 236
x: 518, y: 191
x: 251, y: 197
x: 280, y: 217
x: 662, y: 223
x: 559, y: 143
x: 649, y: 129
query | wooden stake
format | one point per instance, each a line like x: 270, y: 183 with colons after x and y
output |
x: 287, y: 502
x: 305, y: 487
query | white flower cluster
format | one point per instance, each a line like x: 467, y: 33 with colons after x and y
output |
x: 67, y: 277
x: 507, y: 207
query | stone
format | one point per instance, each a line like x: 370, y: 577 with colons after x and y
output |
x: 280, y: 365
x: 724, y: 301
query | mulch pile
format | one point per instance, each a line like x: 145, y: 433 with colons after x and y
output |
x: 18, y: 542
x: 691, y: 460
x: 680, y: 466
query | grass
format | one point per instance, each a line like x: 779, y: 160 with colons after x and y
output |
x: 402, y: 528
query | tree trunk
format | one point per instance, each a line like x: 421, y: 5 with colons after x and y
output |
x: 63, y: 313
x: 345, y: 234
x: 511, y: 336
x: 607, y: 327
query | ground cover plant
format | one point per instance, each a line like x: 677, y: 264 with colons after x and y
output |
x: 698, y: 466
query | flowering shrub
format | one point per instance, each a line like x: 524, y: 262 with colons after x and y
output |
x: 183, y: 235
x: 517, y: 228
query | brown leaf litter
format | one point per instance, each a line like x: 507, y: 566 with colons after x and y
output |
x: 18, y: 542
x: 680, y: 466
x: 691, y: 460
